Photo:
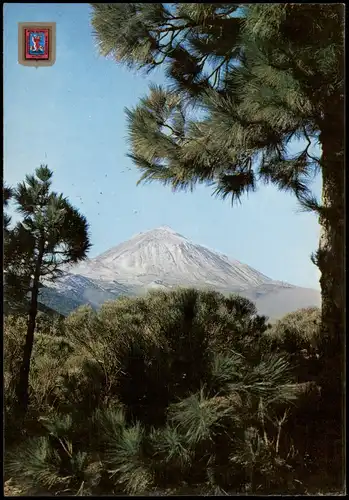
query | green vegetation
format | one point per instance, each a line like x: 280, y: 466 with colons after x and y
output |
x: 189, y: 391
x: 180, y: 391
x: 51, y: 233
x: 261, y: 76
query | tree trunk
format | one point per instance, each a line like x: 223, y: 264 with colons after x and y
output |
x: 331, y: 264
x: 22, y: 391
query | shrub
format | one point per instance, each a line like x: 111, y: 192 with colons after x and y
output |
x: 14, y: 335
x: 181, y: 389
x: 51, y: 324
x: 298, y: 330
x: 48, y: 363
x: 146, y: 347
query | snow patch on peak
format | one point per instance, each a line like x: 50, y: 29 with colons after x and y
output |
x: 163, y: 255
x: 163, y: 259
x: 160, y: 232
x: 165, y: 228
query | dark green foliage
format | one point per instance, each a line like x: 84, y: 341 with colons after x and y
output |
x: 183, y: 327
x: 14, y: 333
x: 261, y: 76
x: 278, y: 67
x: 50, y: 214
x: 49, y: 321
x: 166, y: 391
x: 184, y: 36
x: 277, y: 74
x: 50, y: 353
x: 51, y: 233
x: 7, y: 194
x: 46, y: 216
x: 298, y: 334
x: 18, y: 247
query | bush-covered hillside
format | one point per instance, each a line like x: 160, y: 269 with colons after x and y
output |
x: 183, y: 390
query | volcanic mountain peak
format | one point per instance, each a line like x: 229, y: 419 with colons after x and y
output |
x: 162, y: 232
x: 164, y: 254
x: 164, y: 229
x: 162, y: 258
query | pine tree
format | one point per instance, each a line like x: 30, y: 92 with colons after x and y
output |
x: 6, y: 197
x: 16, y: 276
x: 7, y: 194
x: 51, y: 233
x: 262, y: 75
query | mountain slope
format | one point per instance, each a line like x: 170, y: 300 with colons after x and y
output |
x: 73, y: 290
x: 162, y: 258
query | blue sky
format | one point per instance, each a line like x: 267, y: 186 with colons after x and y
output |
x: 71, y: 116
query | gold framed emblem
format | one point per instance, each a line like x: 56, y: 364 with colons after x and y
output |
x: 37, y: 44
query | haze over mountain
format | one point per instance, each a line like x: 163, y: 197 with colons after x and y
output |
x: 162, y: 258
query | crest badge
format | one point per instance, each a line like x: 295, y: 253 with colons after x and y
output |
x: 37, y: 44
